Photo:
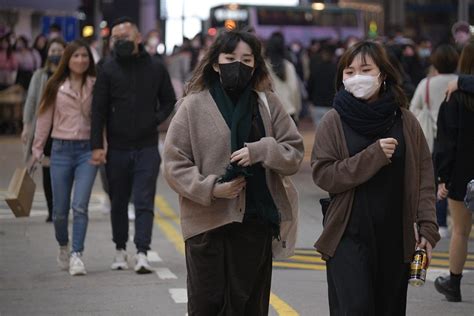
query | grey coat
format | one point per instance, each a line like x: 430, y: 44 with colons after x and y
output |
x: 30, y: 110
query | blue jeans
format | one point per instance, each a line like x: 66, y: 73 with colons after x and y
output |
x: 132, y: 172
x: 70, y: 166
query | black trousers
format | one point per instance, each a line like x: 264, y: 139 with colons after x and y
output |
x: 133, y: 171
x: 230, y: 270
x: 48, y: 191
x: 360, y: 283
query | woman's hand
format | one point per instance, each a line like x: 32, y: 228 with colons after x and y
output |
x: 98, y: 157
x: 452, y: 86
x: 229, y: 190
x: 442, y: 191
x: 388, y: 146
x: 24, y: 135
x: 425, y: 244
x: 241, y: 156
x: 31, y: 164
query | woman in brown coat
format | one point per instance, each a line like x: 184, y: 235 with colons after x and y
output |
x: 227, y: 153
x: 371, y: 156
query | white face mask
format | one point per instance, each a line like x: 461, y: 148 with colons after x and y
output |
x: 362, y: 86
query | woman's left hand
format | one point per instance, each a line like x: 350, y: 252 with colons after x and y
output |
x: 425, y: 244
x: 241, y: 156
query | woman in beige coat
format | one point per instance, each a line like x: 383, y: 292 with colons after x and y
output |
x: 228, y: 152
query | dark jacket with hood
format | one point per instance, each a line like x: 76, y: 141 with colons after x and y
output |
x: 132, y: 96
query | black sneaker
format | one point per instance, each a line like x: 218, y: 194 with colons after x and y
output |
x: 445, y: 286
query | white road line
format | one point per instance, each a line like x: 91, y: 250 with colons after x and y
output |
x: 165, y: 274
x: 179, y: 295
x: 153, y: 256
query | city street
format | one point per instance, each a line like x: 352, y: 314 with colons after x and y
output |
x: 32, y: 284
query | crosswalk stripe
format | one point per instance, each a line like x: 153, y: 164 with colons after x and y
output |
x: 179, y: 295
x: 165, y: 274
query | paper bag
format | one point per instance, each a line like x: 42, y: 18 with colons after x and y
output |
x: 20, y: 193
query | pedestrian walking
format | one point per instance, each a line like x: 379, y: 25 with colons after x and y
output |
x: 55, y: 49
x: 132, y: 96
x: 425, y: 105
x: 65, y: 109
x: 8, y: 62
x: 28, y: 61
x: 371, y: 156
x: 284, y: 77
x: 454, y: 158
x: 227, y: 153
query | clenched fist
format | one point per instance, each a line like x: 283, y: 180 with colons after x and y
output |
x: 229, y: 190
x: 388, y: 146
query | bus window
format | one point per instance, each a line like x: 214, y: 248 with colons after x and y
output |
x: 329, y: 18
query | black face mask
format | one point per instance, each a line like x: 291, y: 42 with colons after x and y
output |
x: 124, y: 48
x: 54, y: 59
x: 235, y: 76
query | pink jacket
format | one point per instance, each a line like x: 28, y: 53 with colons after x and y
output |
x: 70, y: 116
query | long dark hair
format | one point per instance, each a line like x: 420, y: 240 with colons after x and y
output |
x: 60, y: 75
x: 378, y: 54
x: 275, y: 51
x: 466, y: 67
x: 204, y: 74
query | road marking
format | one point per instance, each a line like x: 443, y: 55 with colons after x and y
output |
x: 299, y: 266
x: 281, y: 307
x: 165, y: 274
x: 153, y: 256
x: 179, y: 295
x: 309, y: 259
x: 167, y: 228
x: 163, y: 217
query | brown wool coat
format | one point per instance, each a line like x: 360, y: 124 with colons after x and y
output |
x: 197, y: 150
x: 339, y: 174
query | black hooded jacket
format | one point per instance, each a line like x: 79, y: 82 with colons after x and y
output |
x: 132, y: 96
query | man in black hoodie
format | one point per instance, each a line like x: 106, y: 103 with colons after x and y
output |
x: 132, y: 96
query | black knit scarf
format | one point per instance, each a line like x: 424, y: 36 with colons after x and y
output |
x: 368, y: 119
x: 241, y: 120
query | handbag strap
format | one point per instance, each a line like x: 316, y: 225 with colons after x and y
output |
x: 427, y: 94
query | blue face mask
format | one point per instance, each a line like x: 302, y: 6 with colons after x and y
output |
x: 54, y: 59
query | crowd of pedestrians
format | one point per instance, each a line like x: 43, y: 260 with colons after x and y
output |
x: 393, y: 152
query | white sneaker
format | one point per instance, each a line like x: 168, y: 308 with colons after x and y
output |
x: 120, y: 260
x: 63, y: 257
x: 105, y: 205
x: 443, y: 231
x: 142, y: 266
x: 131, y: 212
x: 76, y: 266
